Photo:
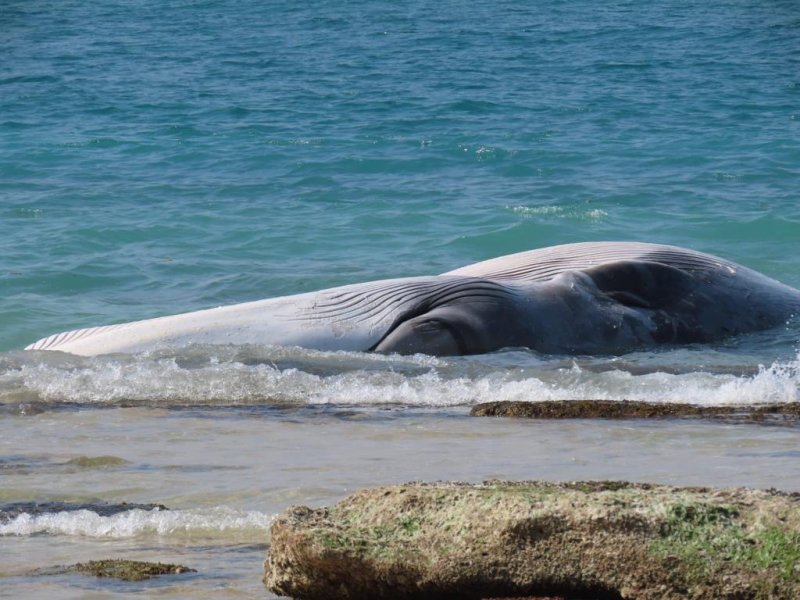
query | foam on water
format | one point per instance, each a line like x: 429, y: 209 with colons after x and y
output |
x: 278, y: 376
x: 220, y: 523
x: 575, y: 212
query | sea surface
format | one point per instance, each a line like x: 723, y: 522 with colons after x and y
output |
x: 162, y: 156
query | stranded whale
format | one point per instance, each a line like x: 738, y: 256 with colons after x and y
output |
x: 585, y: 298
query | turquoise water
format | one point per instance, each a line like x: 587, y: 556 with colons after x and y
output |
x: 165, y: 156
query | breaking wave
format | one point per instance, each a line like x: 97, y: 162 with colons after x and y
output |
x: 221, y: 523
x: 277, y: 376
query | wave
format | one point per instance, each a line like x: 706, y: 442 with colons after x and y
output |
x: 221, y: 524
x: 207, y: 376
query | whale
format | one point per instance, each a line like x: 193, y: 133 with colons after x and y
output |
x: 598, y: 298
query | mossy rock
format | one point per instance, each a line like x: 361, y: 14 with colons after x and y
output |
x: 593, y: 540
x: 124, y: 570
x: 626, y: 409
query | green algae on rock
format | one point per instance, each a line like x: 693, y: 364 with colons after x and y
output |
x: 598, y: 540
x: 628, y: 409
x: 124, y: 570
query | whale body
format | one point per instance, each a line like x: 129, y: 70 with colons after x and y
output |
x: 584, y: 298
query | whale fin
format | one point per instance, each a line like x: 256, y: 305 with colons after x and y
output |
x: 52, y: 342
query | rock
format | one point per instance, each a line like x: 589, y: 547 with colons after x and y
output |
x: 11, y: 510
x: 125, y: 570
x: 590, y: 540
x: 96, y: 462
x: 626, y: 409
x: 528, y: 598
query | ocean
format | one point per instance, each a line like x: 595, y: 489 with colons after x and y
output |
x: 165, y: 156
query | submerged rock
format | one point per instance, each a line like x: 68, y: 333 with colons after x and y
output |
x: 627, y: 409
x: 96, y: 462
x: 125, y: 570
x: 591, y: 540
x: 11, y: 510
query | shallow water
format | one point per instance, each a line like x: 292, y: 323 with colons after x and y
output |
x: 225, y: 473
x: 161, y: 157
x: 228, y: 439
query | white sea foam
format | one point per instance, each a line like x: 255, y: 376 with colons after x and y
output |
x: 198, y: 524
x: 574, y: 212
x: 307, y: 377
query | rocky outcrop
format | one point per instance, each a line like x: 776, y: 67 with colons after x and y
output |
x: 595, y: 540
x: 626, y: 409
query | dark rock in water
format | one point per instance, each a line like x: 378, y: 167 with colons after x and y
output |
x: 11, y: 510
x: 590, y: 540
x: 125, y: 570
x: 626, y: 409
x: 535, y: 598
x: 532, y: 598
